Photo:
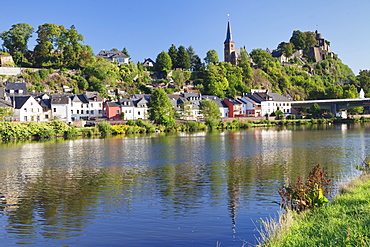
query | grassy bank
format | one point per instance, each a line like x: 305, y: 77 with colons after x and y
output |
x: 344, y: 222
x: 33, y: 130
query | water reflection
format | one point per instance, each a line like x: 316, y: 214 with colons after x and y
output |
x: 185, y: 189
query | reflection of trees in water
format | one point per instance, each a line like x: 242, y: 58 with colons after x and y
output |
x: 57, y: 204
x: 181, y: 186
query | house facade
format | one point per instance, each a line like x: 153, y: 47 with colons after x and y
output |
x: 27, y: 109
x: 113, y: 110
x: 60, y: 106
x: 113, y: 56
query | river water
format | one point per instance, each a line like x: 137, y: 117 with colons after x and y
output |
x: 186, y: 189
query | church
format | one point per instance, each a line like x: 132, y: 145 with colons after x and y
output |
x: 231, y: 53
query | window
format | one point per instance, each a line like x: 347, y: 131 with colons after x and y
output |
x: 117, y: 111
x: 25, y: 118
x: 99, y: 111
x: 92, y: 105
x: 31, y: 103
x: 71, y: 111
x: 38, y: 118
x: 32, y: 118
x: 31, y: 109
x: 99, y: 104
x: 82, y: 111
x: 55, y: 109
x: 46, y: 116
x: 138, y: 113
x: 78, y: 111
x: 25, y: 109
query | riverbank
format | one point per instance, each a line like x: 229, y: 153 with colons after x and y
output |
x: 33, y: 130
x: 344, y: 222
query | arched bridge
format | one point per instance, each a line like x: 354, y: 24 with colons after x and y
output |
x: 334, y: 105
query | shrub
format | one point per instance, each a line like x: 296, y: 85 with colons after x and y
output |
x: 301, y: 195
x: 105, y: 128
x: 44, y: 73
x: 46, y: 133
x: 131, y: 122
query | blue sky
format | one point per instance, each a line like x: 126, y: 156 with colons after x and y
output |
x: 146, y: 27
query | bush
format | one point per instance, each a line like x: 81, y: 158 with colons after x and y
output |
x: 291, y: 117
x: 105, y: 128
x: 309, y: 194
x: 46, y: 133
x: 43, y: 74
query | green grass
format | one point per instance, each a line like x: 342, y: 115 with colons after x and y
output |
x: 344, y: 222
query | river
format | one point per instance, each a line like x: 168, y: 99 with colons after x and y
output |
x: 185, y: 189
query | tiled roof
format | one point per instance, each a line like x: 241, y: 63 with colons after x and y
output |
x: 111, y: 54
x: 59, y: 99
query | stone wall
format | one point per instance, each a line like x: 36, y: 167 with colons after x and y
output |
x: 15, y: 70
x: 10, y: 71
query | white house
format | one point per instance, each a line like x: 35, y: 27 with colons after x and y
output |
x: 95, y: 104
x: 114, y: 56
x: 128, y: 109
x: 61, y: 107
x: 270, y: 102
x: 140, y: 109
x: 27, y: 109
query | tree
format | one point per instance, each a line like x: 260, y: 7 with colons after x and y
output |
x: 286, y: 49
x: 101, y: 73
x: 183, y: 59
x: 315, y: 110
x: 297, y: 40
x: 5, y: 112
x: 309, y: 39
x: 215, y: 82
x: 210, y: 110
x: 303, y: 40
x: 124, y: 51
x: 195, y: 62
x: 172, y: 51
x: 263, y: 59
x: 69, y: 46
x: 211, y: 57
x: 15, y: 41
x: 163, y: 63
x: 160, y: 108
x: 245, y: 64
x: 364, y: 80
x: 48, y: 36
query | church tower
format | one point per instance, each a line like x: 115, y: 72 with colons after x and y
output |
x: 229, y: 47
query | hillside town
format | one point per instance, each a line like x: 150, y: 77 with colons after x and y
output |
x: 256, y: 96
x: 40, y: 107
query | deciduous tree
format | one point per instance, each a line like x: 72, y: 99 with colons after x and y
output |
x: 210, y: 110
x: 160, y: 108
x: 15, y: 41
x: 211, y: 57
x: 163, y: 63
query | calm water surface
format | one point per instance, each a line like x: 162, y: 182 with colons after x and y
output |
x: 162, y: 190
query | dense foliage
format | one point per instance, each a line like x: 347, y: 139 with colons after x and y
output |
x: 75, y: 66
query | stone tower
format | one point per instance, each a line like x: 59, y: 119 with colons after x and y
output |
x: 229, y: 47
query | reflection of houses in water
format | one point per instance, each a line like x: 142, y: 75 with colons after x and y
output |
x: 25, y: 167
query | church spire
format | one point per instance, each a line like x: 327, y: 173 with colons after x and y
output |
x: 229, y: 38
